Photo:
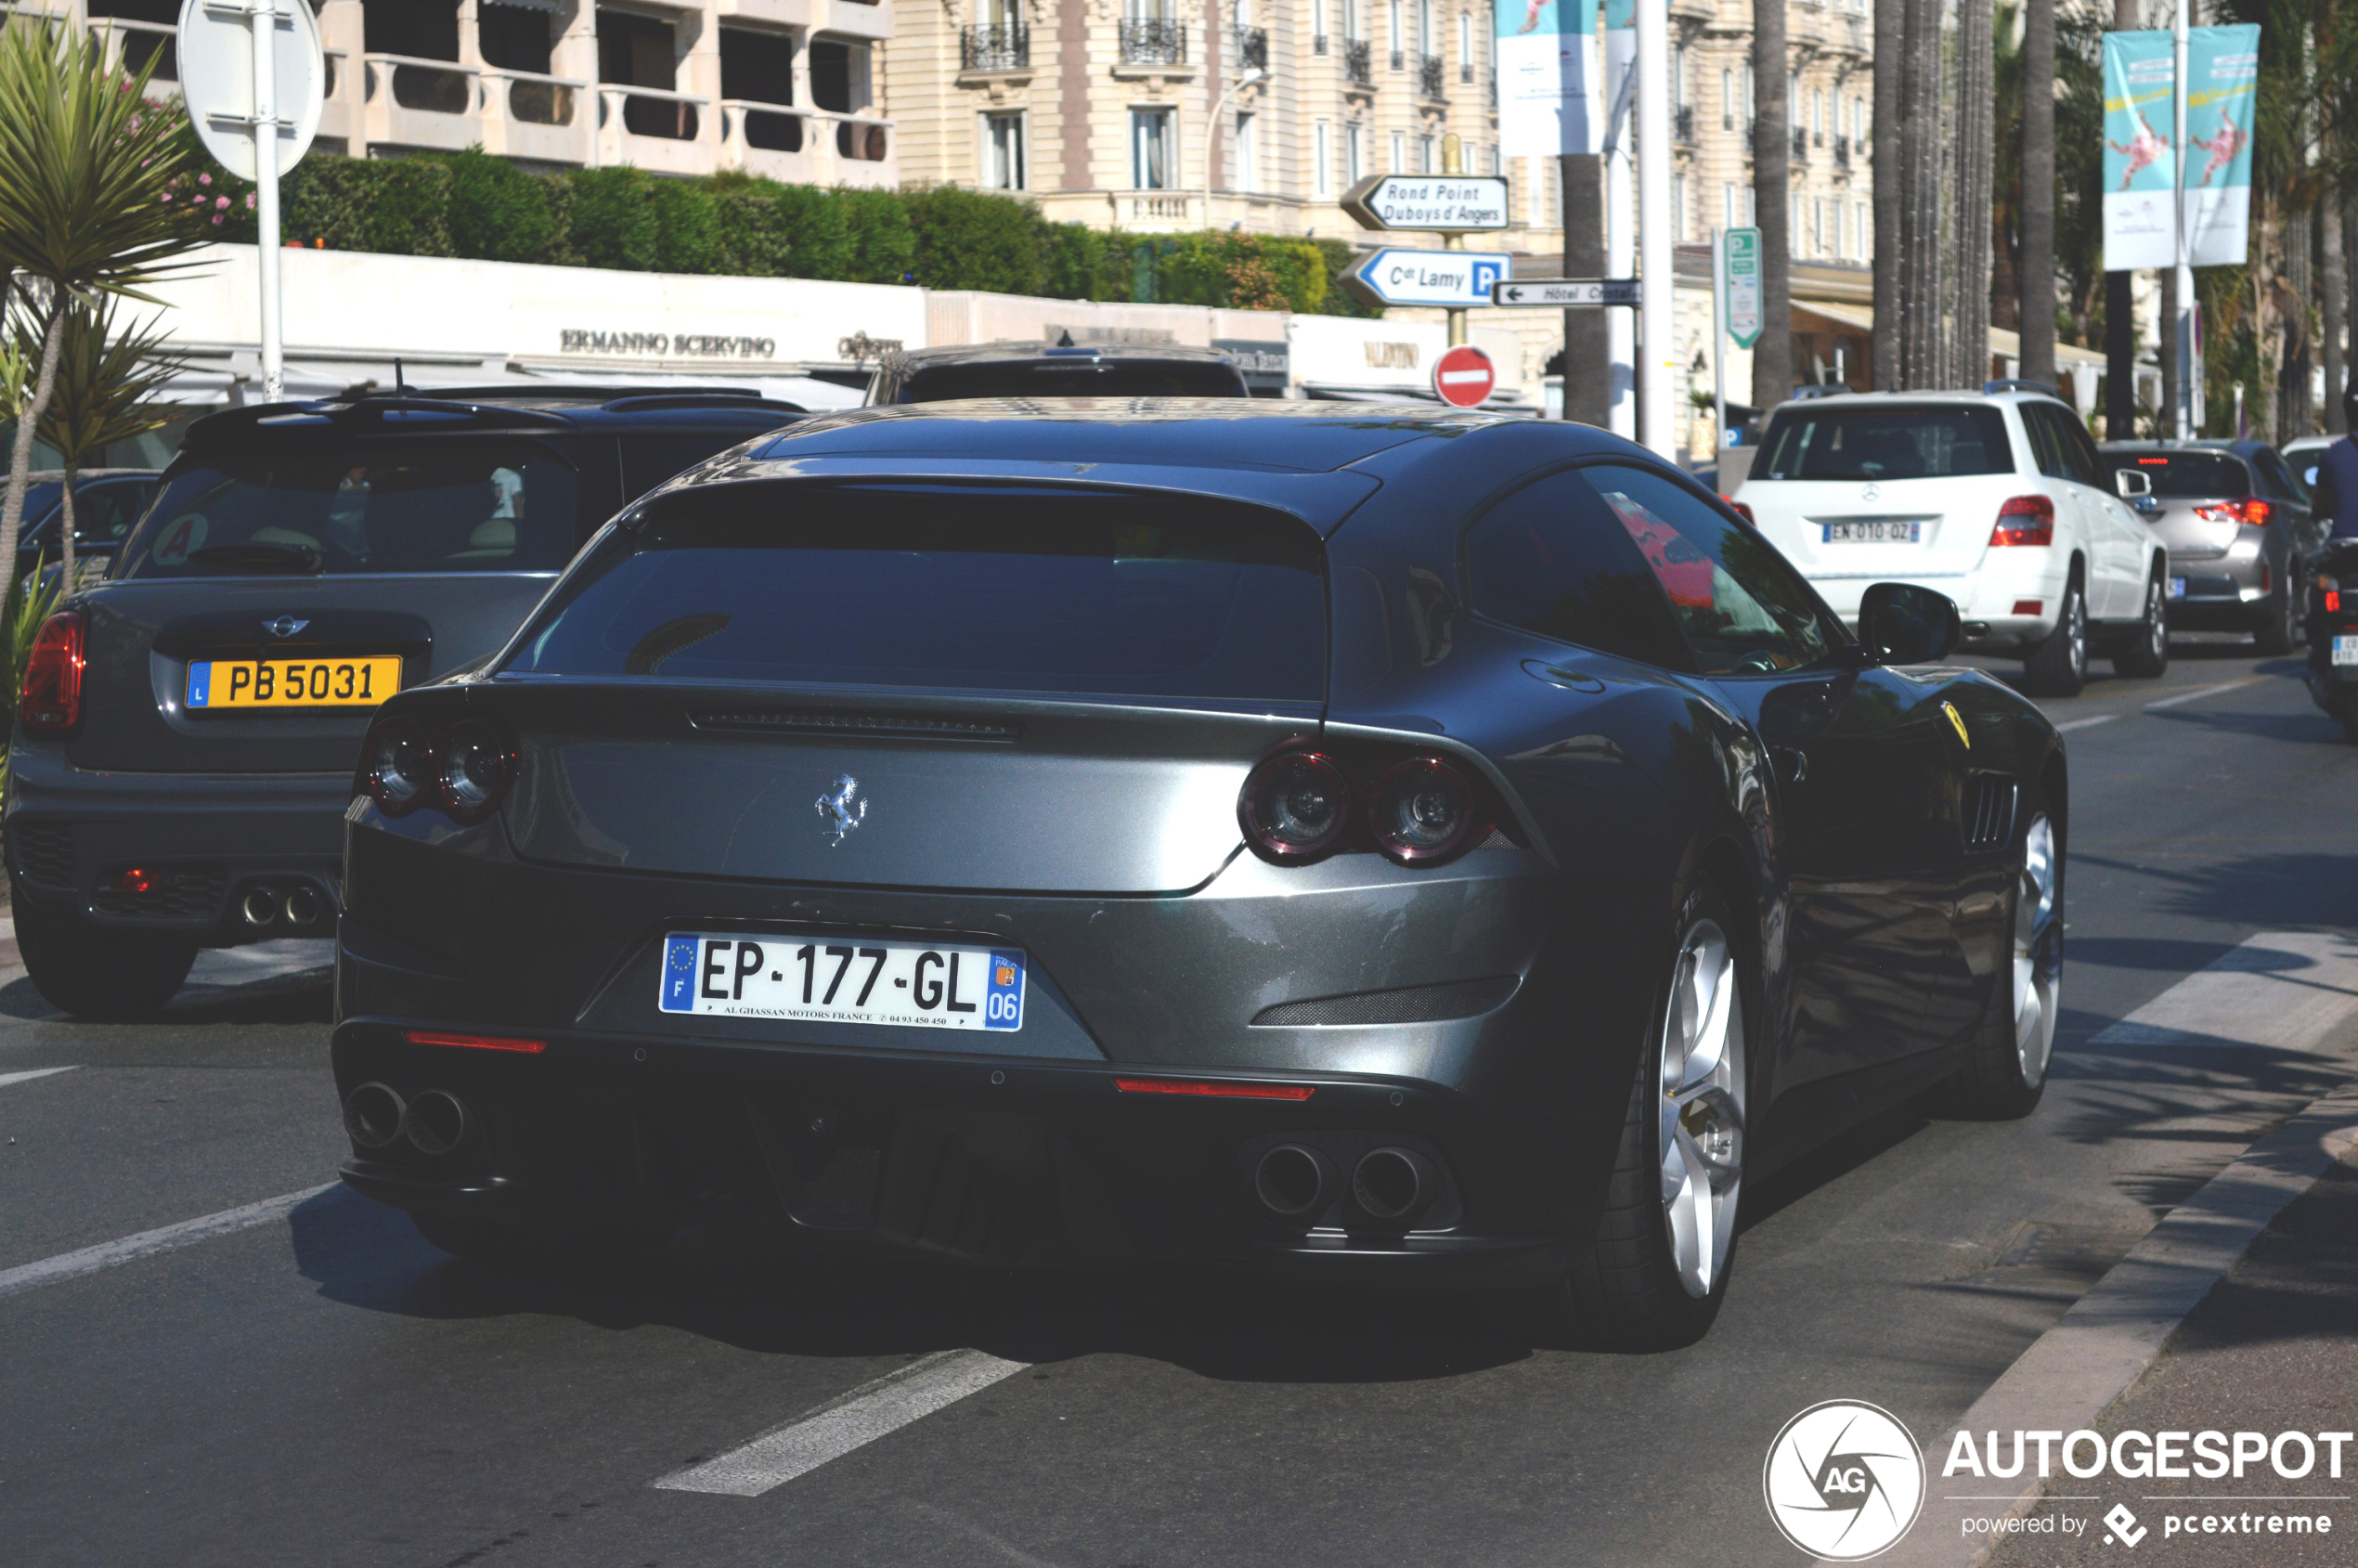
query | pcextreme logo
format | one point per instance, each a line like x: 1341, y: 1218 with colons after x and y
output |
x: 1843, y: 1481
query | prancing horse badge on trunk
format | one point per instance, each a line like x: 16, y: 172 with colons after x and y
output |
x: 841, y: 808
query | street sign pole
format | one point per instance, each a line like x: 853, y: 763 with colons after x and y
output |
x: 262, y: 16
x: 2180, y: 423
x: 1719, y: 338
x: 1657, y: 336
x: 1455, y: 239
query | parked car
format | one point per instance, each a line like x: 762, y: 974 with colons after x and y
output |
x: 1032, y: 369
x: 1998, y: 500
x: 176, y: 777
x: 1423, y: 846
x: 2239, y: 530
x: 106, y: 502
x: 2303, y: 457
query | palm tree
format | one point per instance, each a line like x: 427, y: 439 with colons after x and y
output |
x: 1772, y: 203
x: 85, y: 164
x: 2035, y: 280
x: 105, y: 390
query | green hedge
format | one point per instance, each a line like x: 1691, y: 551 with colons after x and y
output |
x: 475, y: 205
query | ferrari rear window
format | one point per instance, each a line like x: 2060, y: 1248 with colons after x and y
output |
x: 1063, y: 593
x: 1889, y: 441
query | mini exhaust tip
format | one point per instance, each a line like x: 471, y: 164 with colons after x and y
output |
x: 302, y: 907
x: 373, y: 1114
x: 260, y: 906
x: 439, y: 1124
x: 1294, y: 1182
x: 1392, y: 1185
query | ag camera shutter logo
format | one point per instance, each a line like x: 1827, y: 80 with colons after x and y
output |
x: 1843, y: 1481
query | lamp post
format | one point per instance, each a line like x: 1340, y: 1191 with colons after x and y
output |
x: 1253, y: 76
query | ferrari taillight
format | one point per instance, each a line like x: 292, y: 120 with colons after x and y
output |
x: 2025, y: 520
x: 50, y: 701
x: 1419, y: 810
x: 466, y: 770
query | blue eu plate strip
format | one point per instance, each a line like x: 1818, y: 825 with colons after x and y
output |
x: 678, y: 974
x: 200, y: 685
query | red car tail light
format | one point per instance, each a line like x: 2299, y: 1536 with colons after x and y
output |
x: 476, y: 1042
x: 1423, y: 810
x: 2251, y: 511
x: 1214, y: 1090
x: 1295, y: 806
x: 396, y: 766
x: 50, y: 700
x: 2025, y: 520
x: 473, y: 769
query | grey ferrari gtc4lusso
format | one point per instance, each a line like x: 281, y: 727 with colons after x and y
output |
x: 1407, y: 845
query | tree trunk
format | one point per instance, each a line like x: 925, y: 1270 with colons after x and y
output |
x: 1923, y: 141
x: 2295, y: 412
x: 2166, y: 426
x: 1891, y: 38
x: 65, y: 534
x: 1772, y: 380
x: 1587, y: 335
x: 44, y: 385
x: 2036, y: 281
x: 2332, y: 310
x: 1976, y: 139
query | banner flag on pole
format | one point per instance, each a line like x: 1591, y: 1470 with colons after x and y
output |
x: 2222, y: 70
x: 2140, y: 74
x: 1545, y: 77
x: 2140, y: 173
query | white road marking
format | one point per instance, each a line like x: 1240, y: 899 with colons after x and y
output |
x: 2280, y: 988
x: 148, y: 1243
x: 26, y: 1076
x: 872, y: 1410
x: 2203, y: 691
x: 2083, y: 723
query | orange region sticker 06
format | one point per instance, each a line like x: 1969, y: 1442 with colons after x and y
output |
x: 356, y: 682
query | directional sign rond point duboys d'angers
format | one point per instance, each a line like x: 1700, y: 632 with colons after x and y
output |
x: 1448, y: 203
x: 2223, y: 67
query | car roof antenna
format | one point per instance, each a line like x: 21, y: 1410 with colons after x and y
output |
x: 400, y: 382
x: 1065, y: 341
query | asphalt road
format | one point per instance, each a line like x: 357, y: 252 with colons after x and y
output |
x: 328, y: 1389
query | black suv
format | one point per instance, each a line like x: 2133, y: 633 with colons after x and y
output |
x: 184, y: 746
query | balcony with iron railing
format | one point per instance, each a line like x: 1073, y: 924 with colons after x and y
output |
x: 995, y: 46
x: 1800, y: 145
x: 1682, y: 124
x: 1153, y: 42
x: 1432, y: 76
x: 1319, y: 43
x: 1842, y: 153
x: 1358, y: 62
x: 1252, y: 49
x: 1466, y: 68
x: 1399, y: 61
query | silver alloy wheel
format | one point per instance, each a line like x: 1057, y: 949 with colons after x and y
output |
x: 2037, y: 953
x: 2157, y: 620
x: 2075, y: 629
x: 1700, y: 1112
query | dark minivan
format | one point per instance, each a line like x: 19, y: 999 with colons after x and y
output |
x: 185, y: 744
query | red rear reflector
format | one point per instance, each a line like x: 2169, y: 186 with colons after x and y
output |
x: 1219, y: 1091
x: 132, y: 881
x: 476, y: 1042
x: 2030, y: 607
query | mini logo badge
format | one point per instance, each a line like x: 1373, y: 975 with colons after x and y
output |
x: 2125, y: 1527
x: 285, y: 626
x: 841, y: 809
x: 1843, y: 1481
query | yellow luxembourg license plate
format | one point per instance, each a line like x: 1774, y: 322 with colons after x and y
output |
x: 293, y: 682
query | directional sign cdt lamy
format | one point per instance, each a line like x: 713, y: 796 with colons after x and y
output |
x: 1451, y: 204
x: 1452, y: 278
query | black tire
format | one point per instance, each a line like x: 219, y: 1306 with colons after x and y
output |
x: 1625, y: 1287
x: 2146, y: 654
x: 2002, y: 1075
x: 2278, y: 630
x: 2058, y: 666
x: 92, y: 973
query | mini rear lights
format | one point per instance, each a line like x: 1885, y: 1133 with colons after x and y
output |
x: 50, y: 701
x: 1295, y: 806
x: 1423, y: 810
x: 132, y: 879
x: 465, y: 770
x: 2026, y: 520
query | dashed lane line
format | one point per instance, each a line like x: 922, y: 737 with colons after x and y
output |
x: 148, y: 1243
x: 2084, y: 723
x: 2201, y: 691
x: 30, y: 1074
x: 873, y: 1410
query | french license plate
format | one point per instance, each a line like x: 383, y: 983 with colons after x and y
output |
x: 2177, y: 588
x: 362, y: 682
x: 851, y: 980
x: 2346, y: 650
x: 1876, y: 530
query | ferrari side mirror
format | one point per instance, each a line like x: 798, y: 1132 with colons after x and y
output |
x: 1900, y: 623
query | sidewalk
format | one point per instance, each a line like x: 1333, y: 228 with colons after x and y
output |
x: 2271, y: 1349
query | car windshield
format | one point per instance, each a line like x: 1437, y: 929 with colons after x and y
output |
x: 41, y: 498
x: 1890, y: 441
x: 1074, y: 378
x: 1064, y: 593
x: 455, y: 506
x: 2198, y: 475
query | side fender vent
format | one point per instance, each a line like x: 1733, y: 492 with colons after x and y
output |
x: 1985, y: 811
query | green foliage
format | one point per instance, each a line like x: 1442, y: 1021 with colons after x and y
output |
x: 31, y: 599
x: 884, y: 243
x: 614, y: 224
x: 816, y: 229
x: 1081, y: 263
x: 985, y: 242
x: 498, y: 212
x: 687, y: 223
x: 394, y: 206
x: 1246, y: 271
x: 750, y: 229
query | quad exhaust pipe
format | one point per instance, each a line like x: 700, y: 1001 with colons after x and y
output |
x: 1394, y: 1184
x: 1296, y: 1183
x: 298, y: 907
x: 437, y: 1124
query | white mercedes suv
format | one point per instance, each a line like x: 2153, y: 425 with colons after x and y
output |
x: 1996, y: 498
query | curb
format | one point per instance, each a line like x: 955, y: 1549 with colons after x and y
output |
x: 2076, y: 1372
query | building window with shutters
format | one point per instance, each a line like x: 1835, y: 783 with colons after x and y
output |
x: 1002, y: 152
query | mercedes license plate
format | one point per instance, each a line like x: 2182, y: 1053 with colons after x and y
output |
x: 2346, y: 650
x: 357, y: 682
x: 2177, y: 588
x: 851, y: 980
x: 1875, y: 530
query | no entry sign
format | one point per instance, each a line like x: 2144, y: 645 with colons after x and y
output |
x: 1464, y: 376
